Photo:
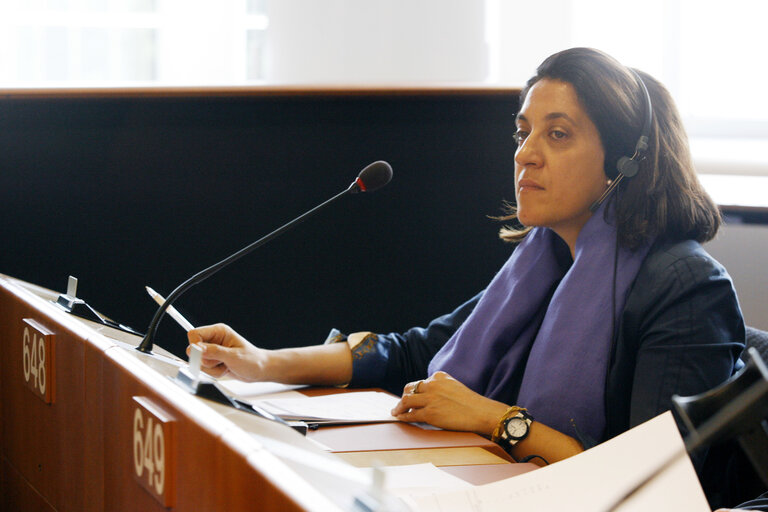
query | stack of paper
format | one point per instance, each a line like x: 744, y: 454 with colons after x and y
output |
x: 358, y: 407
x: 595, y: 480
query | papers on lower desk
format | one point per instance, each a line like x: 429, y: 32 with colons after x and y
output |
x: 419, y: 479
x: 594, y: 480
x: 340, y: 408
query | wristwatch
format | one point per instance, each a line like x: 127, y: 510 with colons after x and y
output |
x: 515, y: 428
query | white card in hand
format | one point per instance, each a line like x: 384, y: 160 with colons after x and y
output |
x: 195, y: 357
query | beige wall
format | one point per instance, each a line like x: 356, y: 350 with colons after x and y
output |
x: 743, y: 249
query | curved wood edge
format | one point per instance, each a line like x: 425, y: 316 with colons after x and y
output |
x: 256, y: 91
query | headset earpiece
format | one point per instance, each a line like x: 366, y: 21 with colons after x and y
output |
x: 629, y: 165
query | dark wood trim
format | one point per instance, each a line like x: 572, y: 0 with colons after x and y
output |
x: 257, y: 91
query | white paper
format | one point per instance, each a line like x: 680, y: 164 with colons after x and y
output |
x: 420, y: 479
x: 356, y: 407
x: 591, y: 481
x: 195, y: 359
x: 249, y: 390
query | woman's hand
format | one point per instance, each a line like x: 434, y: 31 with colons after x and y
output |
x: 225, y: 351
x: 445, y: 402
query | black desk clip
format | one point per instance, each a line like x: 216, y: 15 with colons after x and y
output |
x: 211, y: 390
x: 78, y: 307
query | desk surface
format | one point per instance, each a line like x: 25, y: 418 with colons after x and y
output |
x: 245, y: 456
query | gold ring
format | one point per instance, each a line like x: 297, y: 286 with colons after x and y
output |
x: 416, y: 387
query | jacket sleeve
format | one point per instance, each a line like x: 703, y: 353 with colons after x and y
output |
x: 392, y: 360
x: 691, y: 333
x: 681, y: 333
x: 758, y: 504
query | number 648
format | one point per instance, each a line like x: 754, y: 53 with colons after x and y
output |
x: 34, y: 360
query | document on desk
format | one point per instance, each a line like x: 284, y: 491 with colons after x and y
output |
x: 254, y: 390
x: 339, y: 408
x: 594, y: 480
x: 422, y: 478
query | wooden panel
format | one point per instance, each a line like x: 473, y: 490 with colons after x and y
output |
x: 399, y: 436
x: 455, y: 456
x: 251, y: 91
x: 44, y: 442
x: 83, y: 447
x: 209, y: 476
x: 94, y: 414
x: 78, y: 452
x: 16, y: 494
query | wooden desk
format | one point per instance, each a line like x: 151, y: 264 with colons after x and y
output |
x: 79, y: 451
x: 401, y: 443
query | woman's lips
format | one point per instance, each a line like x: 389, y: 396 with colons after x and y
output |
x: 528, y: 185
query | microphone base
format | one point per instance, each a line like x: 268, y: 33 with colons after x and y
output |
x: 143, y: 349
x: 211, y: 391
x: 204, y: 389
x: 80, y: 308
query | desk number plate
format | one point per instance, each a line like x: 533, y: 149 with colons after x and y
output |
x: 37, y: 360
x: 154, y: 450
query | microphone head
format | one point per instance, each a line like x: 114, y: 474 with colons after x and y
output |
x: 374, y: 176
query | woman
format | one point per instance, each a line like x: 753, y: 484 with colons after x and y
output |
x: 603, y: 311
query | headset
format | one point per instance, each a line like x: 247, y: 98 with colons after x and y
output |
x: 628, y: 166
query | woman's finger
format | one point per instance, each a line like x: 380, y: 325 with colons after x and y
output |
x: 410, y: 401
x: 413, y: 387
x: 217, y: 371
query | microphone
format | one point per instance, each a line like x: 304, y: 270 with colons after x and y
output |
x: 615, y: 183
x: 373, y: 177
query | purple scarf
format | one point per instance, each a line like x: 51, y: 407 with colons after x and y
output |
x: 555, y: 367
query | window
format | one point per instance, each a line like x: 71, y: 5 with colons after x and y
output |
x: 128, y: 42
x: 708, y: 53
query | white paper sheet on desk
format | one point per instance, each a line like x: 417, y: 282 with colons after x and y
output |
x: 356, y: 407
x: 420, y: 479
x: 248, y: 390
x: 591, y: 481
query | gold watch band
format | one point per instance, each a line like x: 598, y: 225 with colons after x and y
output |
x: 496, y: 435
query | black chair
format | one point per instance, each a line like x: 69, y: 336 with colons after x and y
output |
x: 735, y: 410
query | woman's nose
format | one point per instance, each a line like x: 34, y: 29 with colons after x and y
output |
x: 527, y: 152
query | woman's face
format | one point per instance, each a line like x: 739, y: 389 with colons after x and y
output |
x: 558, y: 162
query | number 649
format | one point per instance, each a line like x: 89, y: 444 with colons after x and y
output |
x: 149, y: 450
x: 154, y: 448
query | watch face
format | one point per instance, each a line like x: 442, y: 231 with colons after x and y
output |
x: 517, y: 428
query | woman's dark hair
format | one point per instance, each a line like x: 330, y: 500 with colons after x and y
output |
x: 665, y: 200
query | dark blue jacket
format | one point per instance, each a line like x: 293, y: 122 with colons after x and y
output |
x: 681, y: 332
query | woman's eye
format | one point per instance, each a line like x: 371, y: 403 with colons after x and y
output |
x: 558, y: 134
x: 520, y: 136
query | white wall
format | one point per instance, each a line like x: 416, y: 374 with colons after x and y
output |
x: 199, y: 44
x: 376, y: 41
